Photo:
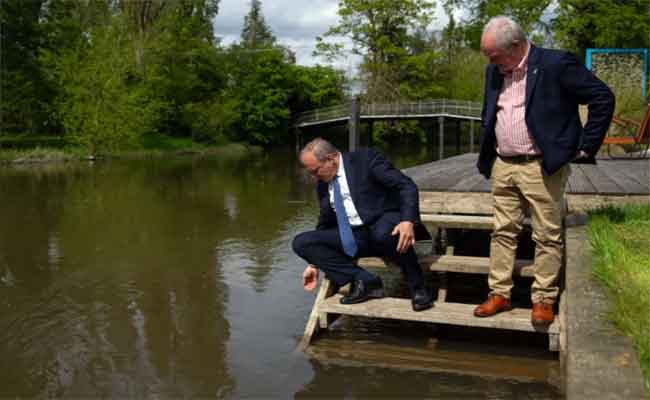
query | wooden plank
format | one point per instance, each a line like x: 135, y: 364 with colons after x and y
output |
x: 602, y: 183
x: 421, y: 175
x: 625, y: 181
x: 459, y: 221
x: 467, y: 183
x: 581, y: 203
x: 450, y: 263
x: 312, y: 326
x: 432, y: 202
x: 633, y: 173
x: 445, y: 182
x: 578, y: 181
x: 443, y: 313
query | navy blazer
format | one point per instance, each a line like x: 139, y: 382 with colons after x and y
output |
x: 556, y: 83
x: 376, y: 187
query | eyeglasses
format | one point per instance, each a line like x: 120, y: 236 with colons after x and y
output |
x: 315, y: 171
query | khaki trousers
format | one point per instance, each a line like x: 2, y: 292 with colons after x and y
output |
x: 515, y: 187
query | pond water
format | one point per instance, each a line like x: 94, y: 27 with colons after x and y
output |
x: 175, y: 278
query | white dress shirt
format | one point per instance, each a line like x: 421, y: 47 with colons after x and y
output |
x: 350, y: 209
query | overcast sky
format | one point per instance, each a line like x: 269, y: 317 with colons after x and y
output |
x: 294, y: 23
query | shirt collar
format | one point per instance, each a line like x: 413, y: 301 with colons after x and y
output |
x: 524, y: 61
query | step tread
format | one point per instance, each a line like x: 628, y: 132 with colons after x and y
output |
x: 444, y: 313
x: 449, y: 263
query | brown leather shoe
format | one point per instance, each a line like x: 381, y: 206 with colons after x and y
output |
x: 542, y: 314
x: 494, y: 304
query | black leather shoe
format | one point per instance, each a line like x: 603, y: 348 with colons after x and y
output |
x: 422, y: 300
x: 362, y: 291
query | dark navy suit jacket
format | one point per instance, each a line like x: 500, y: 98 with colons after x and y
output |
x: 556, y: 83
x: 376, y: 187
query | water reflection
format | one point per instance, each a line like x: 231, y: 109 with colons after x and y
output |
x: 175, y: 278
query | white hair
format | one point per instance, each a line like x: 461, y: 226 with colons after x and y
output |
x: 505, y: 32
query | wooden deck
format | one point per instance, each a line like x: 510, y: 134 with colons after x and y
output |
x: 606, y: 178
x: 454, y: 186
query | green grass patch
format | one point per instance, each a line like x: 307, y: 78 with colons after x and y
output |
x: 620, y: 237
x: 38, y: 154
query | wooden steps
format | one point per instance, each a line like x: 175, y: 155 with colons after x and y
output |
x: 327, y: 306
x: 517, y: 319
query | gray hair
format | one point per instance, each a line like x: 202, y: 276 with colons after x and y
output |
x: 320, y: 148
x: 505, y: 32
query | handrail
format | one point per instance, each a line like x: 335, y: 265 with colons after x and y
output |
x: 458, y: 108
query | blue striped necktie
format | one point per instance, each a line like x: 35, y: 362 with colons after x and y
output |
x: 345, y: 230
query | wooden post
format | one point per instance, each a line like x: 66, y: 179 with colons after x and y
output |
x: 441, y: 137
x: 354, y: 125
x: 371, y: 124
x: 298, y: 137
x: 471, y: 135
x: 457, y: 137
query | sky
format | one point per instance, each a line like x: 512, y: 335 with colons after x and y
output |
x: 295, y: 24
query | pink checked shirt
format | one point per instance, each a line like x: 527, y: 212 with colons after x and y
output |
x: 513, y: 137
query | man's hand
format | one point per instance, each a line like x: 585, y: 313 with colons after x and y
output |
x: 309, y: 278
x: 406, y: 235
x: 581, y: 154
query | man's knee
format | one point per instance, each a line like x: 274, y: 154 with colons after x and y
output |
x: 299, y: 243
x: 303, y: 241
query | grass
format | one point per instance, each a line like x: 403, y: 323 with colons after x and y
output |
x: 152, y: 147
x: 620, y: 237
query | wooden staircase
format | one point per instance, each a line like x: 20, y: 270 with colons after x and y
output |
x: 327, y: 306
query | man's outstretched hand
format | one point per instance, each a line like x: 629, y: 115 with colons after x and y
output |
x: 406, y: 235
x: 309, y: 278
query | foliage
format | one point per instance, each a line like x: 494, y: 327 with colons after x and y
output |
x: 528, y: 13
x: 21, y: 80
x: 581, y: 24
x: 379, y: 31
x: 620, y: 237
x: 315, y: 87
x: 256, y: 33
x: 99, y: 110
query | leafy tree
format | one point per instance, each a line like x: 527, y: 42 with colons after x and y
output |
x: 315, y: 87
x: 261, y: 84
x: 581, y: 24
x: 528, y: 13
x: 379, y: 31
x: 98, y: 107
x: 256, y: 33
x: 21, y: 81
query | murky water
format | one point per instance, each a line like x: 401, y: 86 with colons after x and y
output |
x: 175, y: 279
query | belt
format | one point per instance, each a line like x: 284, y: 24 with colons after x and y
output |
x: 524, y: 158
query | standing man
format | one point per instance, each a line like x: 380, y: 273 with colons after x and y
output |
x: 530, y: 131
x: 367, y: 208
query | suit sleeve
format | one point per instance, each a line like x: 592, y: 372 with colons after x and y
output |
x: 326, y: 217
x: 590, y: 90
x: 393, y: 179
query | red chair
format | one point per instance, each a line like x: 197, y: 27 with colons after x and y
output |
x: 636, y: 135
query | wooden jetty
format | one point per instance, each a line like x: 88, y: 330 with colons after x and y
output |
x: 356, y: 112
x: 454, y: 196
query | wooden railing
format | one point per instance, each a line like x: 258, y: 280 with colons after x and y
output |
x: 430, y: 108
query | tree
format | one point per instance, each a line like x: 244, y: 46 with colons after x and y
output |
x: 255, y: 33
x: 581, y: 24
x: 21, y: 81
x: 100, y: 109
x: 528, y: 13
x: 379, y: 31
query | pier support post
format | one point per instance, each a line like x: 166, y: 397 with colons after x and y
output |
x: 354, y: 125
x: 457, y: 136
x: 471, y: 135
x: 371, y: 125
x: 441, y: 137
